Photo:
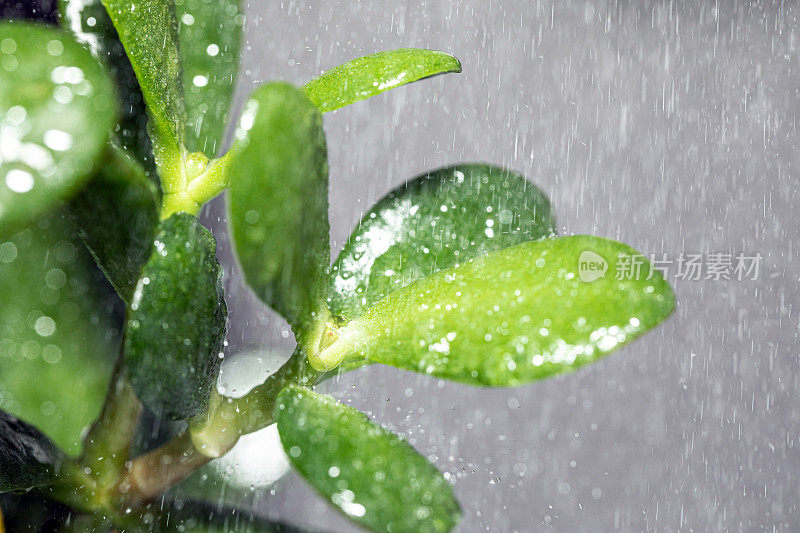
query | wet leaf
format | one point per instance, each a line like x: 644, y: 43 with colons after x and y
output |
x: 176, y: 321
x: 513, y: 315
x: 149, y: 32
x: 57, y: 338
x: 210, y: 34
x: 56, y: 110
x: 375, y: 73
x: 27, y: 458
x: 116, y: 216
x: 433, y: 222
x: 90, y: 24
x: 373, y: 476
x: 278, y: 202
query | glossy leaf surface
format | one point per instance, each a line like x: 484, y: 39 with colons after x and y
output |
x: 375, y: 73
x: 210, y: 34
x: 373, y: 476
x: 27, y: 458
x: 116, y: 216
x: 278, y: 202
x: 56, y: 110
x: 176, y: 321
x: 57, y: 338
x: 148, y: 30
x: 514, y: 315
x: 91, y: 26
x: 433, y: 222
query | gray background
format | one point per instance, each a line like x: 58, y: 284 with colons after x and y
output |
x: 670, y: 126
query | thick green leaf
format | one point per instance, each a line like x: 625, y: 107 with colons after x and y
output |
x: 116, y: 216
x: 57, y: 339
x: 27, y: 458
x: 89, y: 22
x: 56, y: 111
x: 278, y: 202
x: 433, y: 222
x: 373, y: 74
x: 373, y: 476
x: 176, y: 321
x: 210, y: 34
x: 149, y: 32
x: 513, y: 315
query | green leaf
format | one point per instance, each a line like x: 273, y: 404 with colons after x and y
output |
x: 278, y: 203
x: 91, y: 26
x: 210, y: 34
x: 373, y: 74
x: 116, y: 216
x: 56, y: 110
x: 373, y: 476
x: 149, y: 32
x: 435, y: 221
x: 176, y: 321
x: 27, y: 458
x: 512, y: 316
x: 57, y: 338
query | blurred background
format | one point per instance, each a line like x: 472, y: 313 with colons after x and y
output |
x: 671, y: 126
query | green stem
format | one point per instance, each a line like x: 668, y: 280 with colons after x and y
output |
x: 106, y: 447
x: 205, y: 182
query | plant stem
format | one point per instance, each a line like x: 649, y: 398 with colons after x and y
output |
x: 156, y: 471
x: 161, y: 468
x: 106, y: 447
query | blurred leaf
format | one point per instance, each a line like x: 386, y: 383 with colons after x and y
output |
x: 513, y: 315
x: 433, y: 222
x: 57, y: 341
x: 210, y: 34
x: 30, y: 513
x: 56, y: 110
x: 116, y: 216
x: 27, y: 458
x: 278, y: 202
x: 373, y: 476
x: 176, y: 321
x: 89, y: 22
x: 149, y: 32
x: 373, y: 74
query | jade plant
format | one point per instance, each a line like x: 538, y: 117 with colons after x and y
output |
x: 110, y: 131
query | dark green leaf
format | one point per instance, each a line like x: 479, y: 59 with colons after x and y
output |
x: 116, y: 216
x: 513, y: 315
x: 148, y: 30
x: 373, y: 74
x: 27, y: 458
x: 57, y: 340
x: 28, y: 512
x: 278, y: 202
x: 375, y: 478
x: 89, y: 22
x: 56, y: 110
x: 433, y: 222
x: 210, y: 33
x: 176, y: 321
